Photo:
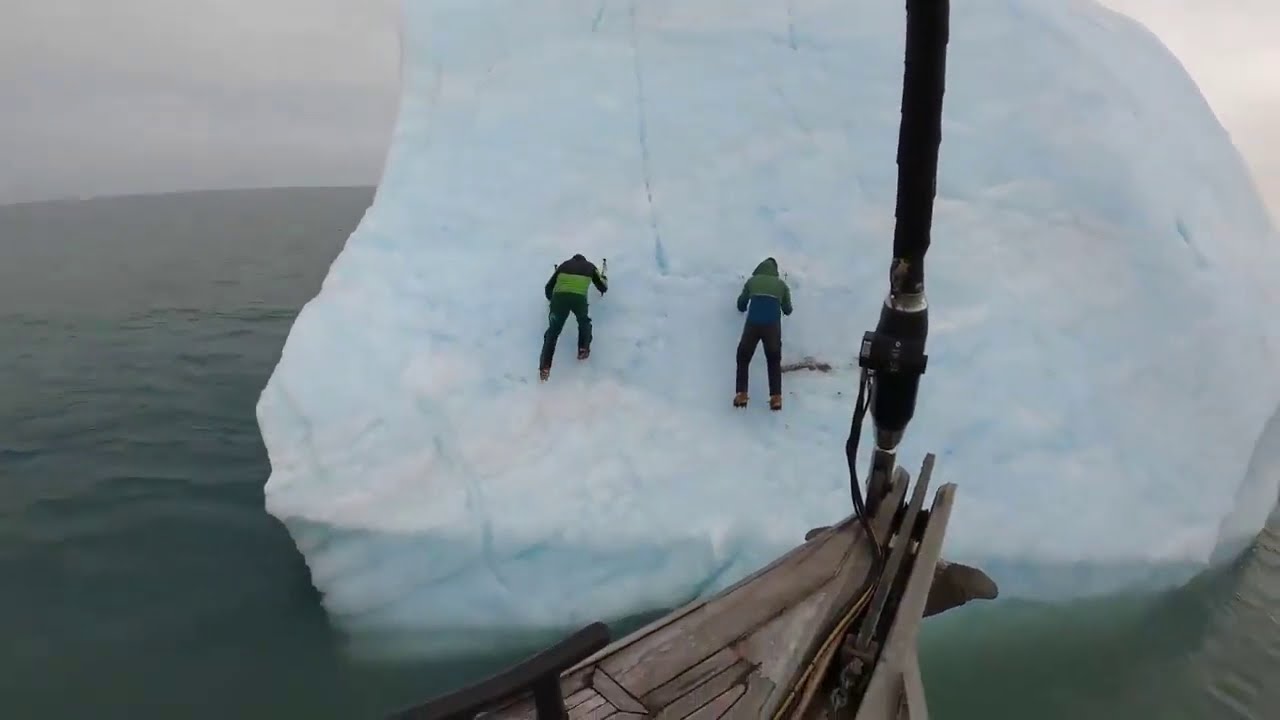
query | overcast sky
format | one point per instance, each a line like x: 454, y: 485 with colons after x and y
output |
x: 120, y: 96
x: 1232, y: 50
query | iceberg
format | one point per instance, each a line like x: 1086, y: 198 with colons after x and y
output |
x: 1102, y: 340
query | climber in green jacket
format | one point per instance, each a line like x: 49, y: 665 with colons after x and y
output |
x: 567, y: 293
x: 765, y: 298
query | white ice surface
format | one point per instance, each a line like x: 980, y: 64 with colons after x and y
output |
x: 1103, y: 314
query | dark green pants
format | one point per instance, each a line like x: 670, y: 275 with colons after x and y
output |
x: 561, y: 305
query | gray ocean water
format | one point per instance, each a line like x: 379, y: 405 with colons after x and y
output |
x: 140, y: 576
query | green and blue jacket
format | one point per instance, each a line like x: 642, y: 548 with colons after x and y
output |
x: 765, y: 297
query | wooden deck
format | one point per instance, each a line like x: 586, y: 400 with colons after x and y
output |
x: 745, y: 653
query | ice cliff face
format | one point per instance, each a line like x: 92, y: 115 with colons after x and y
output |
x: 1101, y: 357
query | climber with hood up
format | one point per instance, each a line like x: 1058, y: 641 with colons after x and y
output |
x: 765, y: 298
x: 566, y: 290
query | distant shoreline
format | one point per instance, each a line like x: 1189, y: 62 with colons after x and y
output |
x: 274, y: 189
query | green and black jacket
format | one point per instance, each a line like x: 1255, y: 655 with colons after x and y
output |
x: 575, y: 276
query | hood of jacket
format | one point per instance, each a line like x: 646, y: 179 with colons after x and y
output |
x: 768, y: 266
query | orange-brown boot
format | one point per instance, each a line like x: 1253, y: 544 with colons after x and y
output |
x: 740, y: 400
x: 775, y: 402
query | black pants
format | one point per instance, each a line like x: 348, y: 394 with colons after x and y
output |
x: 562, y: 305
x: 771, y: 336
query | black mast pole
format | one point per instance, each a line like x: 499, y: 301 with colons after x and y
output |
x: 893, y: 355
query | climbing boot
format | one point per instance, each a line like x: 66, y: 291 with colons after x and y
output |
x: 740, y: 400
x: 775, y: 402
x: 584, y: 353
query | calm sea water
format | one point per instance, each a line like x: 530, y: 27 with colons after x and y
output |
x: 141, y: 577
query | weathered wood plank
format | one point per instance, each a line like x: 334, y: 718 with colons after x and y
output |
x: 719, y: 705
x: 798, y: 553
x: 778, y: 645
x: 811, y: 541
x: 765, y: 623
x: 575, y: 680
x: 640, y: 634
x: 769, y: 620
x: 586, y: 705
x: 598, y: 712
x: 848, y: 583
x: 626, y: 659
x: 627, y: 716
x: 646, y: 665
x: 579, y: 697
x: 668, y: 692
x: 705, y: 692
x: 750, y: 706
x: 592, y: 702
x: 615, y: 693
